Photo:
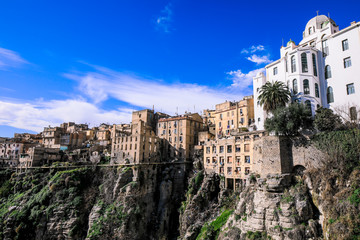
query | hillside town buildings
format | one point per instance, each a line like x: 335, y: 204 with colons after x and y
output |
x: 321, y: 71
x: 180, y: 134
x: 136, y: 143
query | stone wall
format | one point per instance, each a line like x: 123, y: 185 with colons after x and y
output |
x: 279, y: 155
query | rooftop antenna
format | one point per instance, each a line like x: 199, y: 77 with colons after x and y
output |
x: 282, y: 42
x: 317, y: 13
x: 328, y: 15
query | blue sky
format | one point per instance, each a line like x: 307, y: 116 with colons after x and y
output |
x: 94, y: 62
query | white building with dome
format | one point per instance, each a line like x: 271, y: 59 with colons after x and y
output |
x: 322, y: 70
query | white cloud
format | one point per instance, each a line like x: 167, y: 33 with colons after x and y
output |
x: 144, y: 93
x: 253, y: 49
x: 37, y: 115
x: 242, y: 80
x: 10, y: 58
x: 259, y: 59
x: 164, y: 20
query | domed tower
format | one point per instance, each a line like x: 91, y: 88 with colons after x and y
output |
x: 315, y: 26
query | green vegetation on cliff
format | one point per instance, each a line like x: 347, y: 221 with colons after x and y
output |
x: 34, y: 197
x: 211, y: 230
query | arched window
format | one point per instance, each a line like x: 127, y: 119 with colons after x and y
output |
x: 295, y: 87
x: 314, y: 64
x: 330, y: 95
x: 304, y: 65
x: 310, y: 30
x: 293, y: 64
x: 308, y: 105
x: 317, y: 90
x: 306, y: 86
x: 327, y: 72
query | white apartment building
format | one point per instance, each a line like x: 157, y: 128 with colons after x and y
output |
x: 322, y: 70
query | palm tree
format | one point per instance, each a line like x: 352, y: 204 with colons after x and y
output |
x: 274, y: 95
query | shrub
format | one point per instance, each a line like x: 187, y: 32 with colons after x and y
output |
x: 289, y: 120
x: 326, y: 120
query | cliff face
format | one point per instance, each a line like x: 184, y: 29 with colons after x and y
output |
x: 269, y: 207
x: 319, y: 203
x: 175, y: 201
x: 123, y: 203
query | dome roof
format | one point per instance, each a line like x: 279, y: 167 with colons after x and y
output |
x: 290, y: 42
x: 317, y: 22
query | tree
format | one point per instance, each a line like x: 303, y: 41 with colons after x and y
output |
x: 289, y: 120
x: 326, y: 120
x: 274, y: 95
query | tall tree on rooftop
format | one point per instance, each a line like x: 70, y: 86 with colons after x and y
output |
x: 274, y: 95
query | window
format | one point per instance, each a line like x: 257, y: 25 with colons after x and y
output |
x: 214, y: 149
x: 353, y: 114
x: 345, y: 45
x: 306, y: 86
x: 247, y: 159
x: 327, y: 72
x: 275, y: 70
x: 295, y: 88
x: 350, y: 89
x: 237, y: 148
x: 310, y: 30
x: 221, y: 150
x: 314, y: 64
x: 317, y: 90
x: 325, y: 48
x: 293, y: 64
x: 304, y: 64
x: 259, y: 119
x: 330, y: 95
x: 308, y: 105
x: 229, y: 149
x: 258, y: 103
x: 257, y: 90
x: 347, y: 62
x: 220, y: 116
x: 219, y: 124
x: 207, y: 150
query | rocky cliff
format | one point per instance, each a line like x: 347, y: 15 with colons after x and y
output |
x: 318, y: 203
x: 99, y: 203
x: 178, y: 201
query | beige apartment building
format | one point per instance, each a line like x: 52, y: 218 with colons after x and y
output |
x: 51, y: 136
x: 180, y: 134
x: 234, y: 116
x: 138, y: 145
x: 232, y: 157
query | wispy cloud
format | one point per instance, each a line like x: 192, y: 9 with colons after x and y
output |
x: 102, y: 84
x: 253, y: 49
x: 164, y: 20
x: 39, y: 114
x: 9, y: 58
x: 259, y: 59
x: 243, y: 81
